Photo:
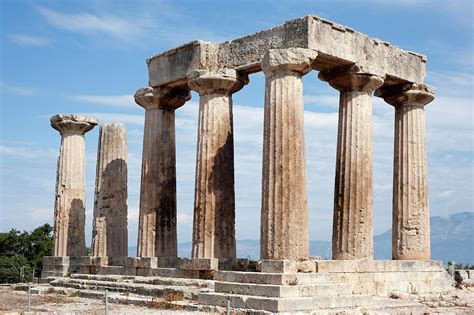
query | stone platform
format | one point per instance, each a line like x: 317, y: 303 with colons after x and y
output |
x: 277, y: 286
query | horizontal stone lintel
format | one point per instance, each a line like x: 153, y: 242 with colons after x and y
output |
x: 337, y: 45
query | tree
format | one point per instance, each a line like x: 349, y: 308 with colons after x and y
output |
x: 25, y: 249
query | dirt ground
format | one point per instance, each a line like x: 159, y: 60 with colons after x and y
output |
x: 15, y: 302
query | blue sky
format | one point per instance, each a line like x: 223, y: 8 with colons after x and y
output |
x: 89, y: 57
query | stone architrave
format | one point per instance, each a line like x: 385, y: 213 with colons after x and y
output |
x: 284, y: 214
x: 411, y: 215
x: 109, y: 230
x: 214, y: 200
x: 352, y: 236
x: 70, y: 203
x: 157, y: 219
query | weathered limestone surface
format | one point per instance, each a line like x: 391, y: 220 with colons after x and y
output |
x: 337, y: 45
x: 411, y: 215
x: 109, y: 230
x: 353, y: 193
x: 284, y: 216
x: 157, y: 221
x: 214, y: 200
x: 69, y: 207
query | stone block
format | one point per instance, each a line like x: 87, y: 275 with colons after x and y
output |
x: 53, y: 260
x: 292, y: 304
x: 199, y: 263
x: 147, y: 262
x: 175, y: 273
x: 306, y: 266
x: 282, y: 290
x: 80, y: 260
x: 111, y: 270
x: 239, y: 264
x: 377, y: 266
x: 85, y: 269
x: 132, y: 262
x: 167, y: 262
x: 278, y: 266
x: 116, y: 261
x: 99, y: 261
x: 129, y: 271
x: 52, y: 274
x: 144, y: 272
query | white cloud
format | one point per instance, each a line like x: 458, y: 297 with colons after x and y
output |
x: 107, y: 100
x: 331, y: 101
x: 18, y: 90
x: 115, y: 117
x: 88, y: 23
x: 28, y: 40
x: 27, y: 152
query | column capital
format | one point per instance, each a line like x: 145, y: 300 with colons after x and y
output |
x: 226, y: 81
x: 162, y: 97
x: 407, y: 94
x: 288, y: 60
x: 353, y: 78
x: 73, y: 124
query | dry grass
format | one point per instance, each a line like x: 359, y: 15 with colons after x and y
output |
x: 173, y: 296
x: 75, y: 294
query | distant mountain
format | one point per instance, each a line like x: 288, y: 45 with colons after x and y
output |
x: 452, y: 238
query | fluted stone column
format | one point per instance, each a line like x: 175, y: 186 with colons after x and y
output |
x: 109, y: 226
x: 214, y: 200
x: 70, y: 203
x: 284, y: 214
x: 352, y: 236
x: 157, y: 222
x: 411, y: 214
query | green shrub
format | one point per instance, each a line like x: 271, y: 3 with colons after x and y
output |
x: 10, y: 268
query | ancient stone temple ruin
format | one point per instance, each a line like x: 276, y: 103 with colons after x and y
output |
x: 285, y: 278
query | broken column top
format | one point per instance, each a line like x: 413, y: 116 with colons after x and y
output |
x: 336, y: 45
x: 73, y: 123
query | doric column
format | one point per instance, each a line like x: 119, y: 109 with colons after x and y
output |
x: 214, y: 200
x: 157, y: 222
x: 411, y: 214
x: 109, y: 226
x: 352, y: 236
x: 70, y: 203
x: 284, y: 214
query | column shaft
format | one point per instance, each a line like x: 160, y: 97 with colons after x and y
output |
x: 214, y: 205
x: 352, y: 236
x: 411, y: 214
x: 110, y: 233
x: 69, y: 207
x: 353, y: 205
x: 70, y: 198
x: 284, y: 214
x: 410, y: 229
x: 284, y: 221
x: 157, y: 228
x: 214, y: 198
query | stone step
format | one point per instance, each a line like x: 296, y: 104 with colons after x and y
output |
x: 378, y: 266
x: 270, y: 278
x: 148, y: 280
x: 266, y: 290
x: 136, y: 288
x: 328, y: 278
x: 292, y: 304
